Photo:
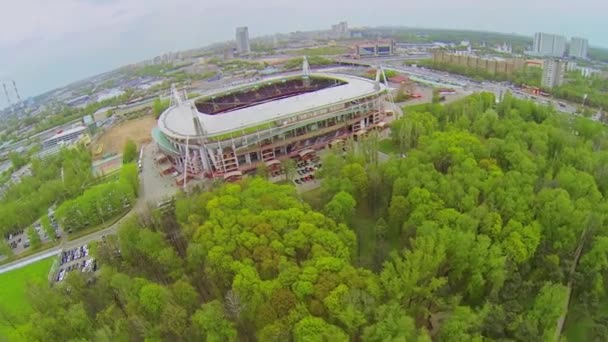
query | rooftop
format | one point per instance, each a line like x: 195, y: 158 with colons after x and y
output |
x: 77, y: 129
x: 177, y: 121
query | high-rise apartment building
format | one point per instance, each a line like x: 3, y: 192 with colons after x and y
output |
x: 242, y: 40
x: 549, y: 45
x: 553, y: 73
x: 579, y: 47
x: 340, y: 30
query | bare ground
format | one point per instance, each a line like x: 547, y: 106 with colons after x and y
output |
x: 115, y: 138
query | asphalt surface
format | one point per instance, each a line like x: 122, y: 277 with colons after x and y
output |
x: 444, y: 79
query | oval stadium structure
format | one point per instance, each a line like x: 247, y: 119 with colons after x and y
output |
x: 232, y: 131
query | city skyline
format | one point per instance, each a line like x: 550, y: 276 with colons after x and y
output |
x: 44, y: 46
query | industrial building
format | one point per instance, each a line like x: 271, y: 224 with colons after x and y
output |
x: 380, y: 48
x: 64, y: 137
x: 227, y: 133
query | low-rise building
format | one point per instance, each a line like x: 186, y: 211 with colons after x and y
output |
x: 379, y: 48
x: 67, y: 136
x: 490, y: 65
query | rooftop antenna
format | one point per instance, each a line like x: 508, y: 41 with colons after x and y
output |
x: 8, y: 98
x: 381, y: 74
x: 17, y: 92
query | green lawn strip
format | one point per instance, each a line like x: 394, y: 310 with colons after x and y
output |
x: 363, y: 224
x: 93, y: 229
x: 13, y: 298
x: 387, y: 146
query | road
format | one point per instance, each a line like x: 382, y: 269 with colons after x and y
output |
x: 153, y: 188
x: 447, y: 80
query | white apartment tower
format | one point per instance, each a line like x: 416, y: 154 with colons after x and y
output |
x: 579, y: 47
x: 553, y: 73
x: 242, y: 40
x: 549, y: 45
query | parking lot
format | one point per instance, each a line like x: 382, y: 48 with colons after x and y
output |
x: 74, y: 260
x: 20, y: 242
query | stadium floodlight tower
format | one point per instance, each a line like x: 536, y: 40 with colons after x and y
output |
x: 8, y: 98
x: 381, y: 78
x: 180, y: 99
x: 306, y: 71
x: 17, y: 92
x: 305, y: 68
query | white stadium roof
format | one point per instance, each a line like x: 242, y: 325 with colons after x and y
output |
x: 177, y: 121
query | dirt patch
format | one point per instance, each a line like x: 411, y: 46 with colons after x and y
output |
x: 113, y: 140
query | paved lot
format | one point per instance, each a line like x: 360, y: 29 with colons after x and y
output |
x: 77, y: 259
x: 154, y: 187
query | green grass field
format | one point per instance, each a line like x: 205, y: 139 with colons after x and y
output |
x: 13, y: 297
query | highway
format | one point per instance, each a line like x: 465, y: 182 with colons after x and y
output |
x: 447, y: 80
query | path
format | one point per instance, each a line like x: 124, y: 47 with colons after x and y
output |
x: 577, y: 256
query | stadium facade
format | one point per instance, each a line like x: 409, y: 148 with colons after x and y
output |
x: 233, y: 131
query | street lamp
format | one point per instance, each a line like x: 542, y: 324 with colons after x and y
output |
x: 584, y: 99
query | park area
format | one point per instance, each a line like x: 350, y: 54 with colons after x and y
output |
x: 114, y: 139
x: 13, y: 298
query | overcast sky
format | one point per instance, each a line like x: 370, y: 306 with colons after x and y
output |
x: 45, y: 44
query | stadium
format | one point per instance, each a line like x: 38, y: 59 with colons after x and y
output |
x: 230, y: 132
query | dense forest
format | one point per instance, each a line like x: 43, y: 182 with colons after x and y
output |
x: 492, y: 215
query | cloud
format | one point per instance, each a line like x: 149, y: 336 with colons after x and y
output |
x: 45, y: 44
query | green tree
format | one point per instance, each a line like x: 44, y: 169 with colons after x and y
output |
x: 33, y: 237
x: 17, y: 159
x: 393, y: 324
x: 289, y: 166
x: 316, y: 329
x: 129, y: 152
x: 46, y: 226
x: 462, y: 325
x: 211, y: 324
x: 159, y: 106
x: 341, y: 208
